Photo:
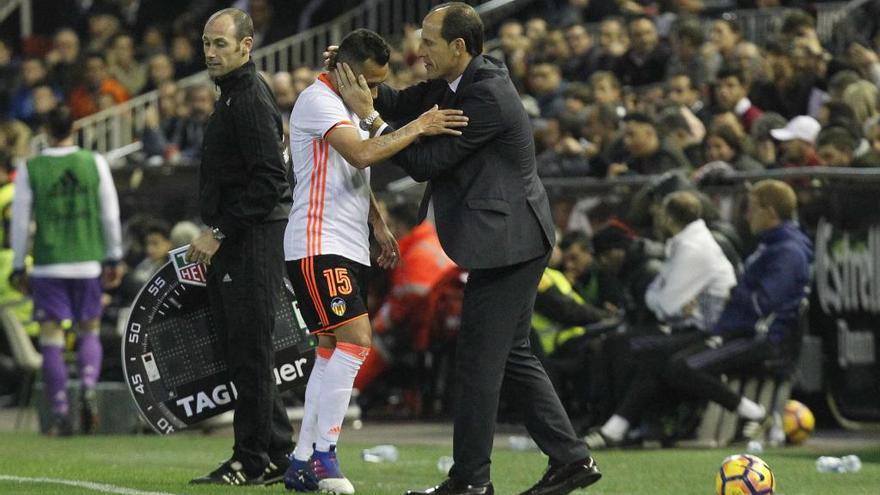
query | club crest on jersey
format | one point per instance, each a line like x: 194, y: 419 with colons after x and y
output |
x: 337, y: 305
x: 187, y: 271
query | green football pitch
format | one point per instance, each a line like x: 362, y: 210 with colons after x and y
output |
x: 135, y: 465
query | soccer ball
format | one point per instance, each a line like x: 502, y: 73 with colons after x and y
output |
x: 797, y: 422
x: 744, y: 474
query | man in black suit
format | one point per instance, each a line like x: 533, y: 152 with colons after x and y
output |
x: 493, y: 218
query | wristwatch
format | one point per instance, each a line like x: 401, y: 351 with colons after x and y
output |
x: 367, y: 122
x: 217, y: 234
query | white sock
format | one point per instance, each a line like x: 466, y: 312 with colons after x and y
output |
x: 307, y: 429
x: 336, y: 392
x: 750, y: 410
x: 615, y: 428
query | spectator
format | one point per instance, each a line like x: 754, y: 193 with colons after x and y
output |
x: 797, y: 140
x: 751, y: 61
x: 545, y: 83
x: 681, y: 135
x: 646, y: 154
x: 103, y: 25
x: 583, y: 59
x: 536, y: 31
x: 65, y: 64
x: 680, y: 90
x: 723, y: 145
x: 613, y: 43
x: 602, y: 130
x: 157, y: 242
x: 285, y: 95
x: 787, y: 92
x: 153, y: 42
x: 567, y: 156
x: 303, y: 77
x: 724, y: 37
x: 183, y: 233
x: 33, y: 73
x: 835, y: 147
x: 163, y: 125
x: 862, y: 97
x: 513, y: 50
x: 124, y: 67
x: 839, y: 82
x: 554, y: 48
x: 686, y: 40
x: 764, y: 146
x: 45, y: 99
x: 696, y: 277
x: 645, y: 61
x: 606, y: 89
x: 9, y: 72
x: 184, y: 56
x: 86, y: 99
x: 266, y: 30
x: 160, y: 70
x: 577, y: 98
x: 731, y: 93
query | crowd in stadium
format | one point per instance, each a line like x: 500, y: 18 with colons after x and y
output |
x: 613, y: 88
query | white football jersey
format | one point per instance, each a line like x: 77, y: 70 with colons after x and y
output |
x: 331, y: 200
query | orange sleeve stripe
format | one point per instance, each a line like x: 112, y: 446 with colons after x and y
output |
x: 341, y: 123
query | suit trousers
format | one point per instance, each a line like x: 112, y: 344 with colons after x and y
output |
x: 244, y: 285
x: 493, y: 345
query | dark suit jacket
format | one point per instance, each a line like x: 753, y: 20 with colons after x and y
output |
x: 490, y: 208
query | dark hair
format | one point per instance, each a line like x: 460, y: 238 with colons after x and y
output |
x: 671, y: 119
x: 683, y: 207
x: 840, y: 80
x: 96, y: 54
x: 796, y: 20
x: 156, y: 226
x: 842, y: 115
x: 732, y: 71
x: 839, y: 137
x: 615, y: 235
x: 641, y: 118
x: 727, y: 135
x: 688, y: 30
x: 59, y: 123
x: 607, y: 115
x: 576, y: 238
x: 780, y: 46
x: 462, y: 21
x: 361, y: 45
x: 244, y: 26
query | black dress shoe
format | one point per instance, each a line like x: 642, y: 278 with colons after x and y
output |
x: 230, y: 472
x: 452, y: 487
x: 565, y: 478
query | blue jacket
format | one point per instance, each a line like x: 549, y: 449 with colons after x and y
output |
x: 776, y: 277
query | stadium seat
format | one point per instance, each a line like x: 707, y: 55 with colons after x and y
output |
x: 769, y: 386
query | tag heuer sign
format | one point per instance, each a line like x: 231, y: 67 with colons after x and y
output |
x: 187, y: 272
x: 173, y: 356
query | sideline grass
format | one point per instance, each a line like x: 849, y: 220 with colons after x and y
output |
x: 165, y: 464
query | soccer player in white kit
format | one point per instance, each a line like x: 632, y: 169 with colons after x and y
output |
x: 326, y: 243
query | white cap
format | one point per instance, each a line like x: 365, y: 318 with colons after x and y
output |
x: 801, y: 127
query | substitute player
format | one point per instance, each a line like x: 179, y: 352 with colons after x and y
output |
x: 326, y: 243
x: 69, y: 194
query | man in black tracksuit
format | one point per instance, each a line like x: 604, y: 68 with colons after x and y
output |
x: 245, y: 199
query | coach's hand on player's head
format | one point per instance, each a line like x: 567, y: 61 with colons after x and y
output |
x: 355, y: 91
x: 203, y: 248
x: 446, y: 121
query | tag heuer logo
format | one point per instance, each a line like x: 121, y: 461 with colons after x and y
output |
x: 187, y: 271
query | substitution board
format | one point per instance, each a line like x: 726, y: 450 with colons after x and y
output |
x: 173, y: 355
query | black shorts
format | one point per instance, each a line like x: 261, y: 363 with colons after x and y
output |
x: 330, y: 290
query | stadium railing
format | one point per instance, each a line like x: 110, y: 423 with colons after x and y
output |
x: 116, y: 130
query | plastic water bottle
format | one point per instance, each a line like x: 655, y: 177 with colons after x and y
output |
x: 828, y: 464
x: 444, y: 464
x: 521, y: 442
x: 754, y: 447
x: 851, y: 463
x: 381, y: 453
